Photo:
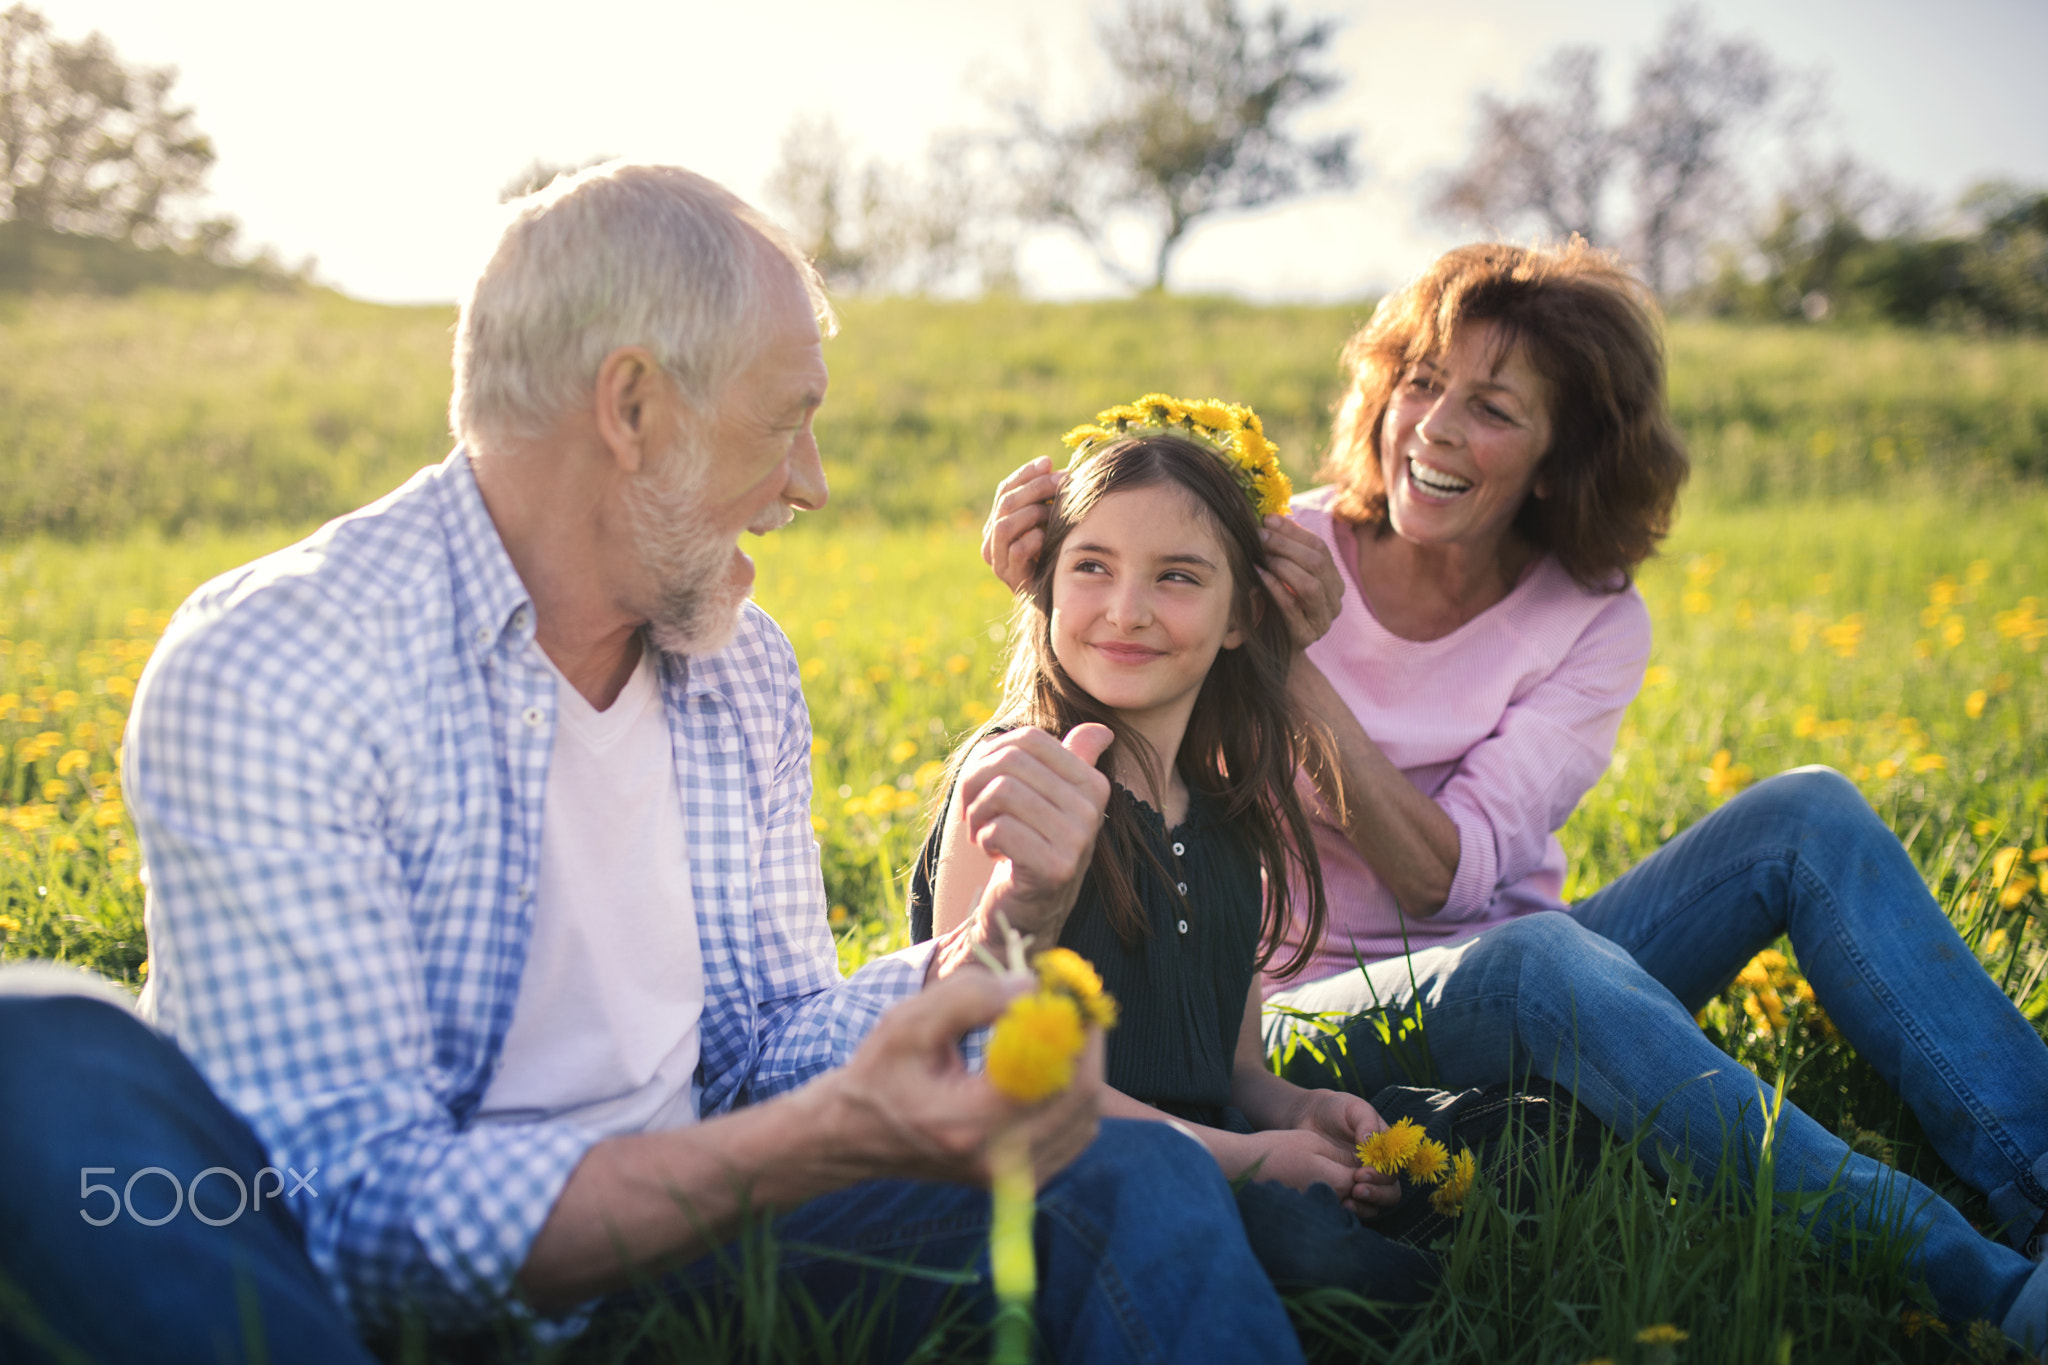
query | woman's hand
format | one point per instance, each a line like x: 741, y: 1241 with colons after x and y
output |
x: 1015, y: 530
x: 1346, y: 1120
x: 1303, y: 578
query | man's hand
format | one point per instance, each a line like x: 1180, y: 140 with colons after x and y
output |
x: 1015, y: 530
x: 1031, y: 806
x: 905, y: 1105
x: 1302, y: 578
x: 1035, y: 804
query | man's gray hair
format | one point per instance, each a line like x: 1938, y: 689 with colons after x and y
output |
x: 618, y: 255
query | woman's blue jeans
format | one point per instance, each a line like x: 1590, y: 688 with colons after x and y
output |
x: 1601, y: 998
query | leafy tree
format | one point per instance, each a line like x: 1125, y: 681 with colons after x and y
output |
x: 1554, y: 162
x: 1194, y: 123
x: 89, y: 144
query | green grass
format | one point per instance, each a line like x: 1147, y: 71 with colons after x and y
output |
x: 243, y: 406
x: 1828, y: 599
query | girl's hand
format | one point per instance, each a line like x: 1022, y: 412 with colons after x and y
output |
x: 1346, y: 1120
x: 1296, y: 1158
x: 1303, y: 578
x: 1015, y: 530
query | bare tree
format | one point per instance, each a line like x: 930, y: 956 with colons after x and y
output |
x: 871, y: 226
x: 833, y: 207
x: 1695, y: 100
x: 1196, y: 123
x: 91, y: 145
x: 1674, y: 165
x: 1543, y: 162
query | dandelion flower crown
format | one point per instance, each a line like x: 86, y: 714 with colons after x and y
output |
x: 1230, y: 429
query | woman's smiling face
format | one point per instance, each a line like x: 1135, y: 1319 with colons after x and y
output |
x: 1142, y: 602
x: 1462, y: 440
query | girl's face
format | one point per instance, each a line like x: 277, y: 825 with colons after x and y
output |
x: 1461, y: 442
x: 1141, y: 603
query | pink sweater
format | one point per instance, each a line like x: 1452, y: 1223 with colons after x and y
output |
x: 1505, y: 723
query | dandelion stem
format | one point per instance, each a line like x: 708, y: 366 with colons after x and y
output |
x: 1011, y: 1257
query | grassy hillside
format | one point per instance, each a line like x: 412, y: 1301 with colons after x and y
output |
x: 246, y: 407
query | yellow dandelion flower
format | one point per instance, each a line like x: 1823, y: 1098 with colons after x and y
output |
x: 1032, y: 1051
x: 1086, y: 434
x: 1161, y: 409
x: 958, y: 664
x: 1662, y: 1334
x: 1429, y: 1163
x: 1389, y: 1149
x: 2004, y: 861
x: 2015, y: 891
x: 1986, y: 1342
x: 1215, y: 414
x: 1994, y: 942
x: 1449, y: 1198
x: 1657, y: 675
x: 1724, y: 777
x: 1914, y: 1321
x: 1063, y: 969
x: 902, y: 751
x: 1973, y: 705
x: 9, y: 924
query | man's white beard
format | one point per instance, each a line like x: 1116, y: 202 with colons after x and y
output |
x: 688, y: 563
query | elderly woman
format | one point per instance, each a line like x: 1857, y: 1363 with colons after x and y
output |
x: 1502, y: 461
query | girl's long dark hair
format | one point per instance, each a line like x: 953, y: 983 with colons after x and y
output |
x: 1244, y: 740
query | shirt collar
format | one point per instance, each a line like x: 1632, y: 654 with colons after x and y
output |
x: 489, y: 596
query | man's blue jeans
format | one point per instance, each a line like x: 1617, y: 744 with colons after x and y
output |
x: 1141, y: 1256
x: 1601, y: 999
x: 1141, y: 1253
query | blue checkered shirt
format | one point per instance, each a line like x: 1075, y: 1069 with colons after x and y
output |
x: 336, y: 763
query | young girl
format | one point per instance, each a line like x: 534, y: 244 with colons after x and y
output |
x: 1146, y: 614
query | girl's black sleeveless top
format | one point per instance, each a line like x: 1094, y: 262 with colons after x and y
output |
x: 1181, y: 989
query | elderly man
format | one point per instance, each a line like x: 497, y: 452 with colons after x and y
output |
x: 483, y: 886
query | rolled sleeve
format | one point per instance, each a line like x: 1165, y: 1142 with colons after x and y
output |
x: 1515, y: 789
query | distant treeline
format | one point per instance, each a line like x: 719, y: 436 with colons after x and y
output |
x: 35, y: 259
x: 244, y: 406
x: 1819, y: 261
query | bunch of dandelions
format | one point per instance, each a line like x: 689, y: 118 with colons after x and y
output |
x: 1032, y: 1053
x: 1038, y: 1039
x: 1404, y: 1150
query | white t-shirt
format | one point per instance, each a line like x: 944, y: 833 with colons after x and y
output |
x: 604, y: 1033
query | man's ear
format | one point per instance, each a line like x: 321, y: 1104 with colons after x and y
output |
x: 635, y: 405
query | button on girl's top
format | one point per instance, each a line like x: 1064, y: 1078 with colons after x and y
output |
x: 1180, y: 995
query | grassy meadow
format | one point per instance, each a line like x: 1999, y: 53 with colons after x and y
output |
x: 1859, y: 578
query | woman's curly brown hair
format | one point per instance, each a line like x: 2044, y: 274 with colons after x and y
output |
x: 1592, y: 331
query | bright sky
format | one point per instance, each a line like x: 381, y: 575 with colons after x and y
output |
x: 374, y: 136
